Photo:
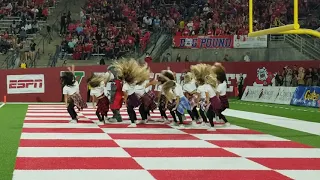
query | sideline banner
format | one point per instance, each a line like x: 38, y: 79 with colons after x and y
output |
x: 306, y: 96
x: 25, y: 84
x: 268, y: 94
x: 243, y: 41
x: 203, y: 42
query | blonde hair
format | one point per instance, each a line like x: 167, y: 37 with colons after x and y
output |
x: 167, y: 89
x: 131, y: 71
x: 211, y: 80
x: 200, y: 71
x: 220, y: 72
x: 165, y: 75
x: 96, y: 80
x: 188, y: 77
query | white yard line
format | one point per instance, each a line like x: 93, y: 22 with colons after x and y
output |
x: 1, y: 105
x: 313, y: 110
x: 295, y: 124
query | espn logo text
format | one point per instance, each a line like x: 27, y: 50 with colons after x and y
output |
x: 24, y: 84
x: 36, y: 83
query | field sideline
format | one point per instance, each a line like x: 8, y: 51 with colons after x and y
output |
x: 46, y: 134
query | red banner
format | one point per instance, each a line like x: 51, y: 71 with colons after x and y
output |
x: 253, y: 72
x: 205, y: 42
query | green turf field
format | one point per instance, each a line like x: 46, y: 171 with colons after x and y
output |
x: 11, y: 120
x: 295, y: 112
x: 12, y: 116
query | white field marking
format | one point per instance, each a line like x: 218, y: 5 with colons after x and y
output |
x: 142, y: 131
x: 1, y: 105
x: 47, y: 114
x: 301, y: 174
x: 59, y: 125
x: 267, y: 105
x: 199, y: 163
x: 81, y: 174
x: 47, y: 110
x: 276, y: 152
x: 47, y: 118
x: 217, y: 126
x: 37, y: 103
x: 71, y: 152
x: 239, y: 137
x: 299, y: 125
x: 70, y: 136
x: 164, y: 144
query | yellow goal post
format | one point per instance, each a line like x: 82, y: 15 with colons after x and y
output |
x: 286, y: 29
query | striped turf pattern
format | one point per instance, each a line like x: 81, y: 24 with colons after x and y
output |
x: 51, y: 149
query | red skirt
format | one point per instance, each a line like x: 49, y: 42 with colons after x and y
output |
x: 224, y: 102
x: 117, y: 102
x: 215, y: 104
x: 103, y: 106
x: 77, y: 100
x: 148, y: 101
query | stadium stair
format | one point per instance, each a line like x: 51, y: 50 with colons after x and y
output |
x: 50, y: 49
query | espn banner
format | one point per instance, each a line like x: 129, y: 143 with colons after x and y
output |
x: 268, y: 94
x: 25, y: 84
x: 203, y: 42
x: 243, y: 41
x: 306, y: 96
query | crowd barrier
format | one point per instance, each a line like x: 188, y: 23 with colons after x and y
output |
x: 306, y: 96
x: 268, y: 94
x: 43, y: 84
x: 299, y: 96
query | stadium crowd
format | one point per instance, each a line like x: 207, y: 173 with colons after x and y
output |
x: 27, y: 13
x: 112, y: 28
x: 230, y: 17
x: 116, y: 27
x: 294, y: 76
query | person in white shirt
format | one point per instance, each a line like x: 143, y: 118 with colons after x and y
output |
x: 174, y: 93
x: 190, y: 92
x: 133, y: 75
x: 163, y: 104
x: 97, y: 92
x: 222, y: 91
x: 208, y: 100
x: 147, y: 100
x: 215, y: 103
x: 71, y: 94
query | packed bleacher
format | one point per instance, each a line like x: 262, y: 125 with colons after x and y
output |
x: 20, y: 23
x: 230, y: 17
x: 111, y: 28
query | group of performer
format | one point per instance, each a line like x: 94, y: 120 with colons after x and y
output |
x: 202, y: 95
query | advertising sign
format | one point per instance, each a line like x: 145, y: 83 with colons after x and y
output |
x: 268, y: 94
x: 203, y: 42
x: 243, y: 41
x: 306, y: 96
x: 24, y: 84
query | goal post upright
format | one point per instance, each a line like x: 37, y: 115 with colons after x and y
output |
x: 286, y: 29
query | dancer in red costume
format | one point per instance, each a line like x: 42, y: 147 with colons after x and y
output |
x: 116, y: 95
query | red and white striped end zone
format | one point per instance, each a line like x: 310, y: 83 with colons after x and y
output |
x: 51, y: 148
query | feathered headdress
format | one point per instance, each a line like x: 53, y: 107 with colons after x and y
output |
x: 200, y: 71
x: 220, y: 71
x: 131, y: 71
x: 167, y: 89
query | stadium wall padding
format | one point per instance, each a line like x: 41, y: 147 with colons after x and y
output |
x: 53, y: 88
